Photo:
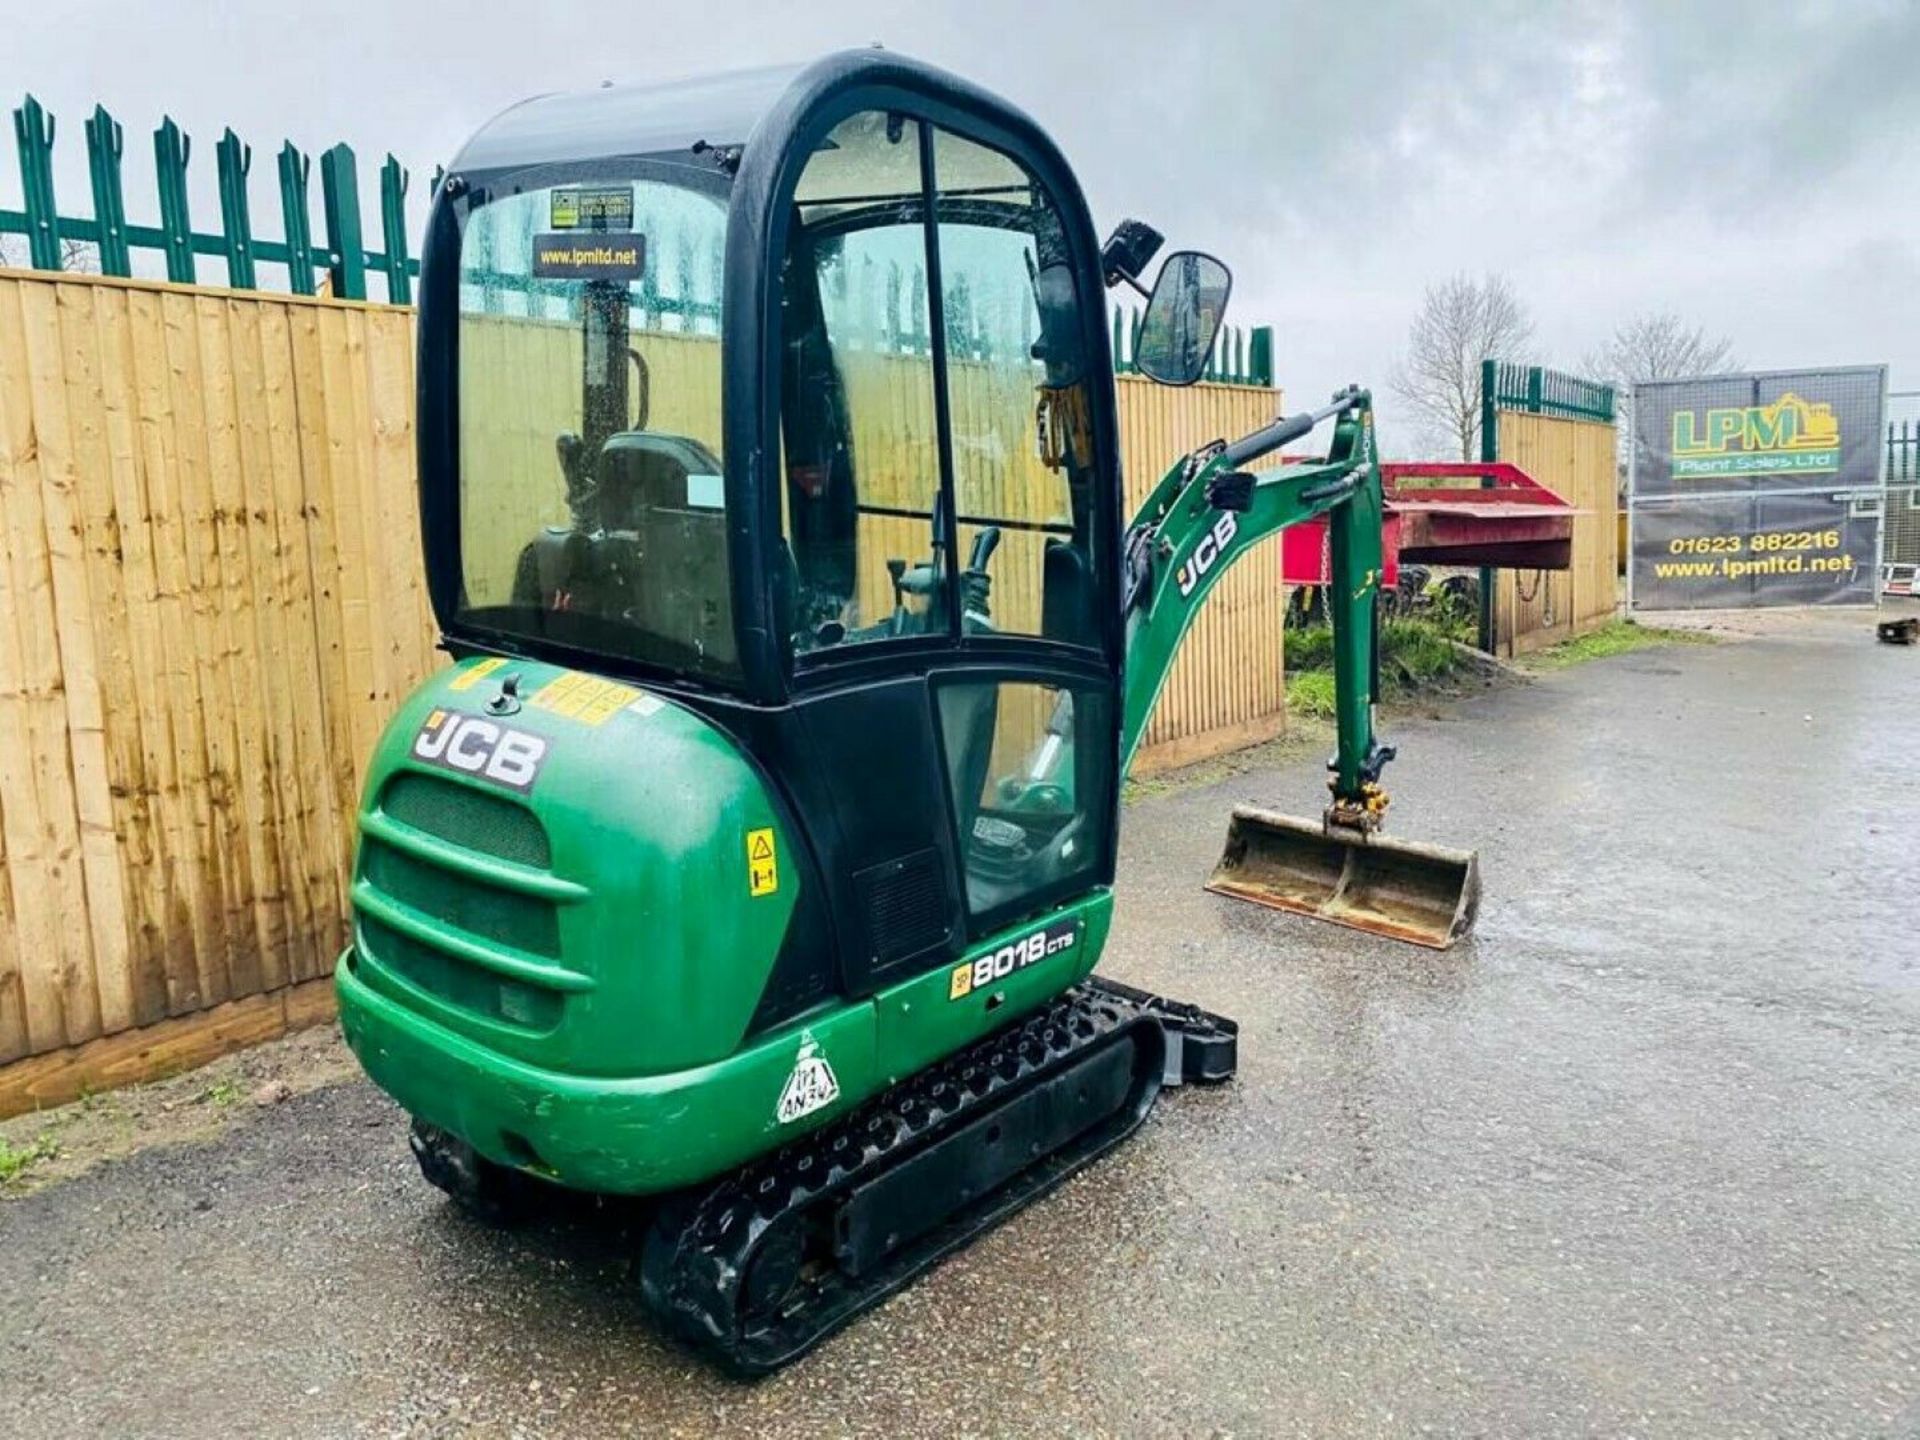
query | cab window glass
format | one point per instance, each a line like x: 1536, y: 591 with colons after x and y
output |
x: 860, y: 450
x: 1031, y: 786
x: 592, y: 509
x: 1017, y: 379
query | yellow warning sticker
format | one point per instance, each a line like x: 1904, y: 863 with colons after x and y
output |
x: 763, y: 865
x: 960, y: 982
x: 586, y: 698
x: 472, y: 676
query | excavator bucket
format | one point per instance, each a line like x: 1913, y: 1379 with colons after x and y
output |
x: 1424, y: 894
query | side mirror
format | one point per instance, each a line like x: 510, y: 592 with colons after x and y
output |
x: 1183, y: 317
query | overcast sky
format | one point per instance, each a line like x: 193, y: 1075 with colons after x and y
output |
x: 1752, y: 166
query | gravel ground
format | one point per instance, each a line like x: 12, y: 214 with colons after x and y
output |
x: 1641, y: 1158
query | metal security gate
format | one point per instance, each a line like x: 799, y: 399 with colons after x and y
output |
x: 1903, y: 479
x: 1758, y: 489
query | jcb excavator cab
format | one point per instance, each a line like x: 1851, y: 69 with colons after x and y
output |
x: 788, y: 394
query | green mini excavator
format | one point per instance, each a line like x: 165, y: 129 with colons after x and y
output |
x: 756, y: 849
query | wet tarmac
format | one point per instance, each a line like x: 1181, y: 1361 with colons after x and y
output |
x: 1640, y: 1158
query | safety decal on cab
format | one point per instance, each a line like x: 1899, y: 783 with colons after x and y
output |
x: 475, y: 673
x: 474, y: 745
x: 810, y: 1087
x: 591, y: 207
x: 763, y: 863
x: 586, y: 698
x: 972, y: 975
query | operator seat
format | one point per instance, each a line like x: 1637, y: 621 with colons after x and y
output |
x: 663, y: 494
x: 1066, y: 594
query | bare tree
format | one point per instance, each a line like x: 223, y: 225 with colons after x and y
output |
x: 1660, y: 346
x: 1462, y: 321
x: 79, y: 257
x: 1657, y: 345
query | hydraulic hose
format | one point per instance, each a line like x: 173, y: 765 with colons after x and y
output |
x: 1289, y: 427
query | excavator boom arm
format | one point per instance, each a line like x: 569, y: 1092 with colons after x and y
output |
x: 1206, y: 514
x: 1203, y: 517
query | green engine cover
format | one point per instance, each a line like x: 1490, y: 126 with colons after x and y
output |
x: 567, y: 903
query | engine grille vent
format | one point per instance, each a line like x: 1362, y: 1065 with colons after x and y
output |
x: 906, y: 907
x: 465, y: 909
x: 487, y: 823
x: 519, y: 922
x: 451, y: 979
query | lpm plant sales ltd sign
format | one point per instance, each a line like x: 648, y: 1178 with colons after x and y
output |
x: 1759, y: 489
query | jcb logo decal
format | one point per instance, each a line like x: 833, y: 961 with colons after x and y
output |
x: 1211, y: 545
x: 471, y: 745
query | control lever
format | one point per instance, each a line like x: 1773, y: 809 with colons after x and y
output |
x: 919, y: 581
x: 984, y: 544
x: 582, y: 494
x: 975, y: 583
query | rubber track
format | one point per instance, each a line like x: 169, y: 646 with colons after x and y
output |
x: 699, y: 1254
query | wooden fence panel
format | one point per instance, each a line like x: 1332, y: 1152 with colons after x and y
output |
x: 1575, y: 458
x: 1226, y: 688
x: 211, y: 600
x: 180, y: 731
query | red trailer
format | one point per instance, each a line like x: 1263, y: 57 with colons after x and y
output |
x: 1488, y: 514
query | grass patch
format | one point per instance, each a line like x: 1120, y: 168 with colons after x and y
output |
x: 16, y: 1160
x: 1617, y: 637
x: 1310, y: 648
x: 1310, y: 692
x: 222, y: 1094
x: 1415, y: 654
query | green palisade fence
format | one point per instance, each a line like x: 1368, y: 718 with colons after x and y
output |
x: 1903, y: 454
x: 1539, y: 391
x: 878, y: 308
x: 1240, y: 356
x: 344, y: 256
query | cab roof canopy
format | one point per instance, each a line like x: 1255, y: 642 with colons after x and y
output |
x: 720, y: 110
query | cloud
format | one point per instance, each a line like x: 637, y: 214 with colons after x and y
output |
x: 1747, y: 165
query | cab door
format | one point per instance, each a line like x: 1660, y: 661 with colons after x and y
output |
x: 1025, y: 713
x: 949, y: 524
